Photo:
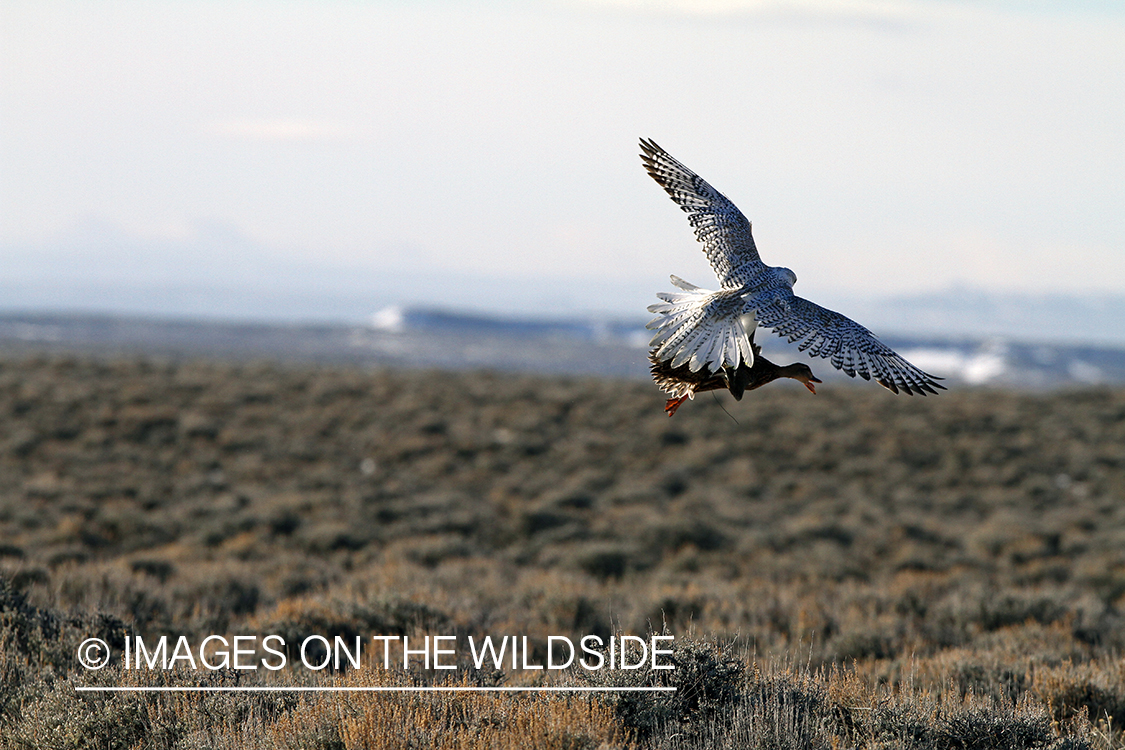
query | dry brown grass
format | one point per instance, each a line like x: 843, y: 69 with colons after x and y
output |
x: 947, y: 562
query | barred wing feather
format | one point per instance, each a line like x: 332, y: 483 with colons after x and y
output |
x: 849, y: 346
x: 719, y: 225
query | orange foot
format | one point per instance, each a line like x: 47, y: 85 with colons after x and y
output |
x: 673, y: 404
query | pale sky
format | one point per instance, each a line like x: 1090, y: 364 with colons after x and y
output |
x: 880, y: 147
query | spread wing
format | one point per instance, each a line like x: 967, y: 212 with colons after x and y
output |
x: 849, y: 346
x: 719, y: 225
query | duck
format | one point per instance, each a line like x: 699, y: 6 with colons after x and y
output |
x: 682, y: 384
x: 710, y: 333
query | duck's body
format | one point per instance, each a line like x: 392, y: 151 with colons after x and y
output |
x: 682, y: 383
x: 711, y: 332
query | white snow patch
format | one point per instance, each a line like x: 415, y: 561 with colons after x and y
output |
x: 1084, y: 372
x: 391, y: 319
x: 975, y: 368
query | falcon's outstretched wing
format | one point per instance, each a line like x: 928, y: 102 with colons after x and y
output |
x: 719, y: 225
x: 846, y: 344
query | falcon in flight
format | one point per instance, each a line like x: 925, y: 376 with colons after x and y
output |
x: 711, y: 334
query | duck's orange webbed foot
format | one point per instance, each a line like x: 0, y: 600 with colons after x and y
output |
x: 673, y: 404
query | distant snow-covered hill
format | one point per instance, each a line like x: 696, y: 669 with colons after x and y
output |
x: 423, y: 337
x: 215, y: 272
x: 966, y: 311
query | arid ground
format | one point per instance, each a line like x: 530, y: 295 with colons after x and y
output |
x: 851, y: 569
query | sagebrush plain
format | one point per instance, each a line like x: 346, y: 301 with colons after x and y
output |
x: 851, y: 569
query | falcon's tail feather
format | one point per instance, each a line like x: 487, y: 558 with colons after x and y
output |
x: 689, y: 331
x: 679, y: 283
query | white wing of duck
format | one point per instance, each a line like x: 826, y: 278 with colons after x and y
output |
x: 712, y: 329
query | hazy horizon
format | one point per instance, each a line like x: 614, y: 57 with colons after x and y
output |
x: 482, y: 155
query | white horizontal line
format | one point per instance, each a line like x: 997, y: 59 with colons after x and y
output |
x: 381, y: 689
